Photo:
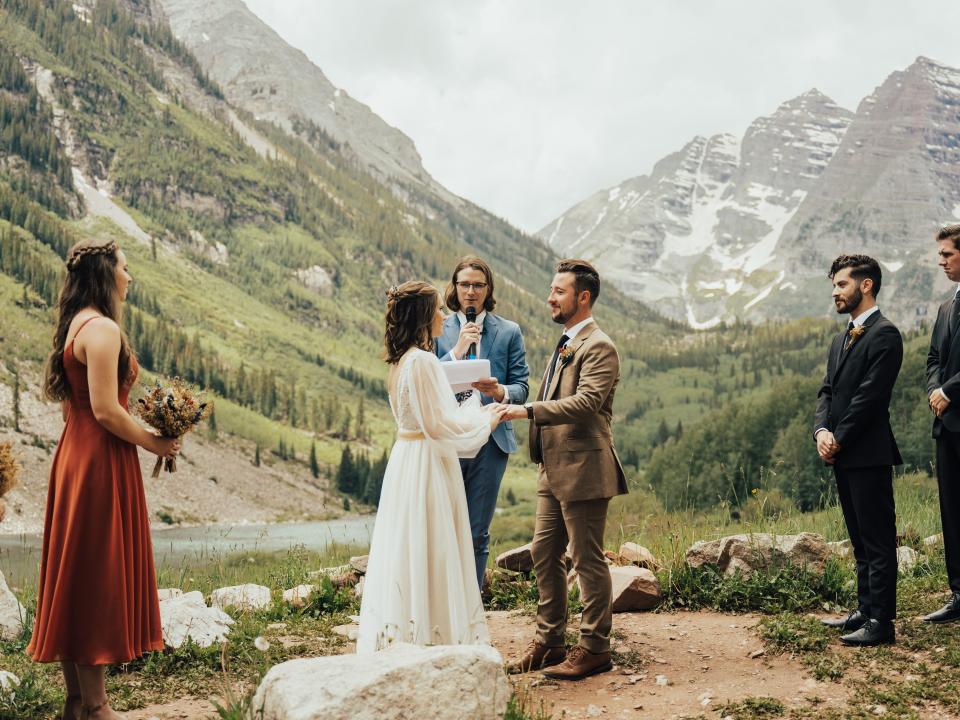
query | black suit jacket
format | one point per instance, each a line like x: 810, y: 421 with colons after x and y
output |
x: 854, y: 400
x: 943, y: 369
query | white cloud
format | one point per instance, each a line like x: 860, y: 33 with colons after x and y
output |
x: 528, y: 107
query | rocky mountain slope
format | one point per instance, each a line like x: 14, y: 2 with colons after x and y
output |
x: 729, y: 228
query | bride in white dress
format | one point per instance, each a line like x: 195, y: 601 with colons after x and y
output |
x: 421, y: 584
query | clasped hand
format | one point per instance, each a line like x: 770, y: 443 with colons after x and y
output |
x: 827, y: 447
x: 938, y: 402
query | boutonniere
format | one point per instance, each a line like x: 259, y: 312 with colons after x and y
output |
x: 566, y: 354
x: 856, y: 332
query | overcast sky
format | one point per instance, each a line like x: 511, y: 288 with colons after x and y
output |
x: 528, y: 106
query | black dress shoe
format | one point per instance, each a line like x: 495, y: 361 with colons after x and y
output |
x: 948, y: 613
x: 853, y: 621
x: 873, y: 632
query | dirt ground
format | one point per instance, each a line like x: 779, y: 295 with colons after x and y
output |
x: 674, y: 665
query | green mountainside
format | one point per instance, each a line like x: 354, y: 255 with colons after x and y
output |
x: 261, y: 258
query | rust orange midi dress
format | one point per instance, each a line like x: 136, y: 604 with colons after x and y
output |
x: 97, y: 601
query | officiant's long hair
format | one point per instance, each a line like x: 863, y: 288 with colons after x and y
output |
x: 411, y: 308
x: 91, y: 281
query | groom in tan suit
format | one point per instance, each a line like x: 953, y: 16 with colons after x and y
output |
x: 572, y: 443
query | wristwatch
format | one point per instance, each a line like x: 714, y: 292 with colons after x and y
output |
x: 529, y: 407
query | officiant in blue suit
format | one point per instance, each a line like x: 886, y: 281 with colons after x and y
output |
x: 485, y: 336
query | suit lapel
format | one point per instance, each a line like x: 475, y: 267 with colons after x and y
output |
x: 868, y: 323
x: 574, y: 346
x: 490, y: 329
x: 451, y: 331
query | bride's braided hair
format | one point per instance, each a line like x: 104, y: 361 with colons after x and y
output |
x: 91, y: 282
x: 411, y: 308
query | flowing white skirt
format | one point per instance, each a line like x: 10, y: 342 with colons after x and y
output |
x: 421, y: 584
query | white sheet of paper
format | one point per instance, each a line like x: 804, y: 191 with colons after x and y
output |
x: 463, y: 373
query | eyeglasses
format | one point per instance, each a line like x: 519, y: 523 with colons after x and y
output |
x: 466, y: 287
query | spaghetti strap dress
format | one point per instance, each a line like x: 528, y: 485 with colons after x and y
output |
x: 97, y: 599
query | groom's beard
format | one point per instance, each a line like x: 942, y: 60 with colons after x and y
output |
x: 561, y: 317
x: 846, y: 306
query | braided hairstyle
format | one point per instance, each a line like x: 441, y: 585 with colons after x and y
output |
x: 91, y: 282
x: 411, y: 308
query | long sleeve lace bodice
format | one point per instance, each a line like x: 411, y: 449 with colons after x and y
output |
x: 425, y: 403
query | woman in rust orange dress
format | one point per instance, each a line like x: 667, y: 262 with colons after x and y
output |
x: 97, y: 602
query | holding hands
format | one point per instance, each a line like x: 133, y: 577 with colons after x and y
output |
x: 498, y: 414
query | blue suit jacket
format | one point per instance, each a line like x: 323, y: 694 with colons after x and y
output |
x: 502, y: 344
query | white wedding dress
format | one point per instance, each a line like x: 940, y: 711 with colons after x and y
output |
x: 421, y: 583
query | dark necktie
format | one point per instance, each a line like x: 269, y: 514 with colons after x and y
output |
x: 954, y: 314
x: 553, y: 364
x: 846, y: 342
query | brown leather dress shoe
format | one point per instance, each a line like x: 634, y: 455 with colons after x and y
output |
x: 580, y: 663
x: 536, y: 657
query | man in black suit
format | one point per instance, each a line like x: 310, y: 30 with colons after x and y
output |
x: 943, y: 386
x: 852, y: 432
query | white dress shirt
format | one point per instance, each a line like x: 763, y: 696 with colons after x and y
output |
x: 463, y: 321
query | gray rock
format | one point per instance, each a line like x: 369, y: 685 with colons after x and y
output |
x: 359, y: 563
x: 316, y: 279
x: 748, y: 553
x: 8, y: 681
x: 241, y: 597
x: 933, y: 540
x: 403, y: 681
x: 188, y: 616
x: 12, y: 613
x: 638, y: 555
x: 297, y: 597
x: 518, y: 559
x: 907, y: 559
x: 841, y: 548
x: 634, y: 588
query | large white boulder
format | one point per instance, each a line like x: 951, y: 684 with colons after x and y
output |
x: 241, y: 597
x: 188, y: 616
x: 466, y: 682
x: 760, y: 551
x: 12, y: 613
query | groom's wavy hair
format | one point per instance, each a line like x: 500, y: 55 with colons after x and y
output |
x: 475, y: 263
x: 861, y: 268
x: 411, y: 308
x: 585, y: 275
x: 950, y: 232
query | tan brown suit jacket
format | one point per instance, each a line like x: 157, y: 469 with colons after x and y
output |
x: 570, y: 433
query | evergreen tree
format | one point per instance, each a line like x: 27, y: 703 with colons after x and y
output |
x: 314, y: 465
x: 16, y: 398
x: 346, y: 472
x: 256, y: 456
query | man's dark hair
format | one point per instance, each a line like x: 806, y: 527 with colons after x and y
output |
x: 861, y: 267
x: 586, y: 277
x: 950, y: 232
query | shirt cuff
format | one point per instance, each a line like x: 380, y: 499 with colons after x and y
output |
x: 820, y: 430
x: 943, y: 394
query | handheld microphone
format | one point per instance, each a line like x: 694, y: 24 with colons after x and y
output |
x: 471, y: 313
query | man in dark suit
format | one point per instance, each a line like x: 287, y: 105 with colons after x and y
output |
x: 943, y: 386
x: 852, y: 432
x: 500, y: 341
